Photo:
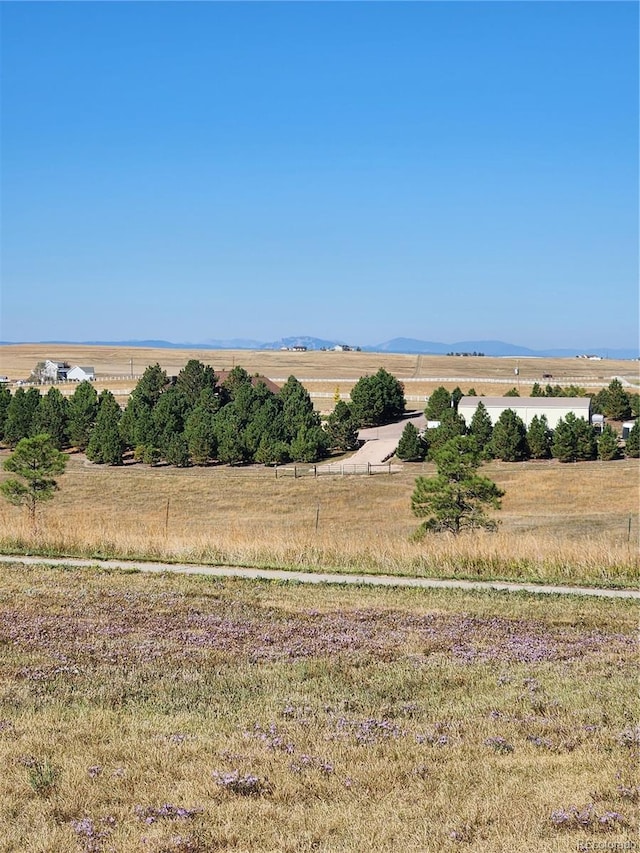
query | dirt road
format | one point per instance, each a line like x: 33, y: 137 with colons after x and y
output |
x: 319, y: 577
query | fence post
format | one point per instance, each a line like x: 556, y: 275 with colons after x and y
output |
x: 368, y: 469
x: 315, y: 471
x: 276, y: 470
x: 295, y: 472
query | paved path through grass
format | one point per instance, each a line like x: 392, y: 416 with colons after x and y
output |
x: 320, y: 577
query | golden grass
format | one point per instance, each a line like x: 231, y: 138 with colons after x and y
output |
x: 133, y: 690
x: 559, y: 523
x: 18, y: 360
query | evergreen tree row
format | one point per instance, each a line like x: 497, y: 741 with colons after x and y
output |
x: 509, y: 440
x: 195, y: 419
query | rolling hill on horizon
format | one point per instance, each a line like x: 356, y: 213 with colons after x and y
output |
x: 395, y: 345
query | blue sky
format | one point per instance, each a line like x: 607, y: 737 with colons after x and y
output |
x: 356, y: 171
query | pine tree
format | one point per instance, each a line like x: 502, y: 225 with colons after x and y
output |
x: 237, y: 378
x: 539, y: 437
x: 632, y: 444
x: 105, y: 443
x: 192, y: 381
x: 608, y: 444
x: 138, y: 427
x: 410, y: 447
x: 35, y: 461
x: 52, y: 418
x: 309, y: 445
x: 83, y: 410
x: 20, y: 414
x: 509, y: 439
x: 455, y: 500
x: 586, y: 444
x: 199, y: 428
x: 229, y: 436
x: 617, y: 404
x: 272, y: 452
x: 438, y: 403
x: 167, y: 420
x: 481, y: 429
x: 341, y: 428
x: 563, y: 443
x: 178, y: 451
x: 574, y: 440
x: 451, y: 426
x: 5, y: 400
x: 512, y: 392
x: 297, y: 408
x: 377, y: 400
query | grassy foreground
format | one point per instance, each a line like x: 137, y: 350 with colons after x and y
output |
x: 172, y: 713
x: 559, y: 523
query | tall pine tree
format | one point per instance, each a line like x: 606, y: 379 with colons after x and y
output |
x: 105, y: 443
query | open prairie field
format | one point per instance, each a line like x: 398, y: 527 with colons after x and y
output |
x: 187, y: 714
x: 559, y: 523
x: 117, y: 368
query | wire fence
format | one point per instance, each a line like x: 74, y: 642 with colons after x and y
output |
x: 336, y: 468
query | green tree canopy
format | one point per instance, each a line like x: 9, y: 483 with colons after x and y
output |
x: 52, y: 417
x: 411, y: 448
x: 5, y: 400
x: 539, y: 437
x: 455, y: 499
x: 481, y: 429
x: 377, y: 399
x: 509, y: 439
x: 297, y: 408
x: 451, y: 425
x: 616, y: 403
x: 20, y: 412
x: 438, y: 403
x: 574, y: 440
x: 192, y: 380
x: 83, y: 410
x: 607, y: 442
x: 199, y: 429
x: 105, y: 443
x: 36, y: 461
x: 341, y: 428
x: 632, y: 444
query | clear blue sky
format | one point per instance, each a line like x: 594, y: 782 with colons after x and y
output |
x: 356, y: 171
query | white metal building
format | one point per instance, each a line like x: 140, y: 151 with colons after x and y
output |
x: 554, y: 408
x: 81, y: 374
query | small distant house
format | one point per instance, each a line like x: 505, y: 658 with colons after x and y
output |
x: 54, y: 371
x: 81, y: 374
x: 627, y: 426
x: 553, y: 408
x: 299, y: 348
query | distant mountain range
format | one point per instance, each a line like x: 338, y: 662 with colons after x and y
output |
x: 396, y: 345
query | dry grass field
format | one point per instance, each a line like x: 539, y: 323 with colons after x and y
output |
x: 559, y: 523
x: 188, y: 715
x: 323, y: 372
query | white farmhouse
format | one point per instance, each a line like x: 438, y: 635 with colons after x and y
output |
x: 54, y: 371
x: 81, y: 374
x: 553, y: 408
